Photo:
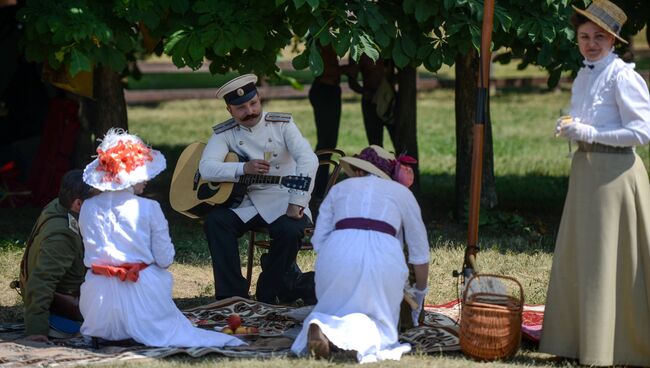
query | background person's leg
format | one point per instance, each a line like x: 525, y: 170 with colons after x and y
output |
x: 326, y: 102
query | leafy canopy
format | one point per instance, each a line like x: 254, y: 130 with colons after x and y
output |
x: 248, y: 35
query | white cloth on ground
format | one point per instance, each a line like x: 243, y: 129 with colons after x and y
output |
x: 360, y: 274
x: 120, y: 227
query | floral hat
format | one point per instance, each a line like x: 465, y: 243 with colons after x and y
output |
x: 377, y: 161
x: 123, y: 160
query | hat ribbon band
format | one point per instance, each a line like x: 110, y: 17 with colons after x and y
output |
x: 603, y: 15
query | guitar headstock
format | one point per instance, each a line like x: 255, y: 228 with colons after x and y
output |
x: 295, y: 182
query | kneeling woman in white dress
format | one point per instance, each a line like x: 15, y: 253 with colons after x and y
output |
x: 127, y: 292
x: 360, y: 267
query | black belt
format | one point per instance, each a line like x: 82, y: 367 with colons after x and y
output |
x: 601, y: 148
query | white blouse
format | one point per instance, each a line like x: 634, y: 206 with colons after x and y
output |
x: 378, y: 199
x: 614, y: 99
x: 120, y: 227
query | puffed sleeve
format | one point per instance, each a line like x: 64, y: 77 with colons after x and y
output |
x: 325, y: 222
x: 161, y: 244
x: 414, y: 229
x: 212, y: 167
x: 306, y: 160
x: 633, y: 101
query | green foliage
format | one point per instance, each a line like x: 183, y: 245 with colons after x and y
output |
x: 432, y: 33
x: 82, y: 33
x: 248, y: 35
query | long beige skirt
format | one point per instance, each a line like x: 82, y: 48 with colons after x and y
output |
x: 598, y: 302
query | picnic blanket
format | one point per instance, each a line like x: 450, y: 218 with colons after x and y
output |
x: 278, y: 325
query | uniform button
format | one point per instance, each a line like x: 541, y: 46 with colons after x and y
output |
x: 270, y: 140
x: 241, y: 143
x: 277, y: 167
x: 275, y: 155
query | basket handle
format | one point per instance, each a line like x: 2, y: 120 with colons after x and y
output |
x: 476, y: 275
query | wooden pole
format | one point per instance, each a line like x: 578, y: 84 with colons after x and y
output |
x: 469, y: 266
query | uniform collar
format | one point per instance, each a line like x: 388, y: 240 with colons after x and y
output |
x: 256, y: 126
x: 599, y: 64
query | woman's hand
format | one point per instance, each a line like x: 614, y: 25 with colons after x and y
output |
x: 419, y: 298
x: 578, y: 131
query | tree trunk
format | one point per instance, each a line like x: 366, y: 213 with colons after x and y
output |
x: 106, y: 110
x: 467, y: 67
x: 405, y: 118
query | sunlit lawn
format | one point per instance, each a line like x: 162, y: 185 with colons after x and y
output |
x: 517, y: 236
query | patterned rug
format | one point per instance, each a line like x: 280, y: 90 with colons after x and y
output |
x: 532, y: 318
x: 277, y: 326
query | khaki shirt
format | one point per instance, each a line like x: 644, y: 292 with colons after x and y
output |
x: 291, y: 155
x: 55, y: 263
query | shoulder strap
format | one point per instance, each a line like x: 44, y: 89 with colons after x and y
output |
x: 278, y: 117
x: 226, y: 125
x: 24, y: 270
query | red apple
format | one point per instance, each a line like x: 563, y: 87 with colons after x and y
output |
x: 233, y: 321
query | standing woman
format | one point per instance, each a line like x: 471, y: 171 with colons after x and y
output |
x: 598, y: 302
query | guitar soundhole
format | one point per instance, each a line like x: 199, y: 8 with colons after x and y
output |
x: 207, y: 190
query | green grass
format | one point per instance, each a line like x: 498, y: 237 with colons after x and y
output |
x: 517, y: 237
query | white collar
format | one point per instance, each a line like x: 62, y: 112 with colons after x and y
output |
x: 601, y: 63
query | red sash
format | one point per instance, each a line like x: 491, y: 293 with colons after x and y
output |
x: 125, y: 271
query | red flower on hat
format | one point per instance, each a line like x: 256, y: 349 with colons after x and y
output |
x: 124, y: 156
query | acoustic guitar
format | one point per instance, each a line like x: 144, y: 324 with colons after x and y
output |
x: 194, y: 197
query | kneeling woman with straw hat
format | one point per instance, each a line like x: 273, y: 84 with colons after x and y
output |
x: 360, y: 266
x: 127, y: 292
x: 598, y: 302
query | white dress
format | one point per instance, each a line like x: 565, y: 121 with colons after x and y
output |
x: 120, y: 227
x: 360, y: 274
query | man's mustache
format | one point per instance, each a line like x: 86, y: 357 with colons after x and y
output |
x: 251, y: 116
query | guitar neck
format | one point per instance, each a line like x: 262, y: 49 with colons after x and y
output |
x: 249, y: 179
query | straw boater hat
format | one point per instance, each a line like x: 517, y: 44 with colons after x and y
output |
x: 123, y: 160
x: 373, y: 159
x: 606, y: 15
x: 238, y: 90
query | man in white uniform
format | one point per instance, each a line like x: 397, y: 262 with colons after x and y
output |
x: 271, y: 144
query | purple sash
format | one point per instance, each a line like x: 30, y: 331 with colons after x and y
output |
x: 362, y: 223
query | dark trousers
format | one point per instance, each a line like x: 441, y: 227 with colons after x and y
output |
x: 223, y: 227
x: 326, y: 102
x: 374, y: 125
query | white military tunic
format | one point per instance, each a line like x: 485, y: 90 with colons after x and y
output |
x: 360, y: 274
x: 120, y: 227
x: 292, y: 155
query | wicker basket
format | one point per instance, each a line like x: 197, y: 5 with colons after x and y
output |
x: 490, y: 325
